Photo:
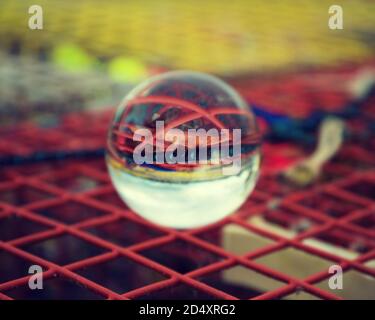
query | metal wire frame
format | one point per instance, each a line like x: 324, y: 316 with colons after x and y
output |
x: 134, y: 252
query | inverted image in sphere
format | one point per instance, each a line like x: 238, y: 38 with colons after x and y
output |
x: 183, y: 149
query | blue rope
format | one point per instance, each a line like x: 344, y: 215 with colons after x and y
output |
x: 302, y: 131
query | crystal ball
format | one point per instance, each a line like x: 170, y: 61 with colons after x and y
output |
x: 183, y: 150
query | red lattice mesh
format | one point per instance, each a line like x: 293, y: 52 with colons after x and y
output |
x: 66, y: 217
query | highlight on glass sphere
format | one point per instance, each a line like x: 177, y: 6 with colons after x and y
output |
x: 183, y: 150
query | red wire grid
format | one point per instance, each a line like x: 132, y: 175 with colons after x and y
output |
x: 66, y: 217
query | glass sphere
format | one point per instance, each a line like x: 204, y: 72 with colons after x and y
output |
x: 183, y: 149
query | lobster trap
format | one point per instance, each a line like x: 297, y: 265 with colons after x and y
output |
x: 62, y: 214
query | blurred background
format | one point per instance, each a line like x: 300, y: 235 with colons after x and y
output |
x: 91, y: 52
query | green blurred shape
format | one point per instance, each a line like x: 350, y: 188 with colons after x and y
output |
x: 127, y: 69
x: 71, y: 57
